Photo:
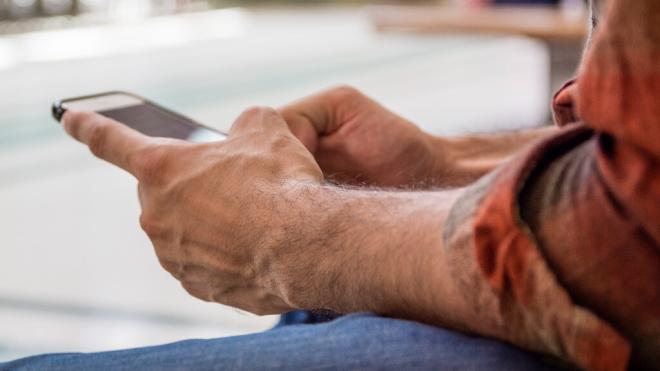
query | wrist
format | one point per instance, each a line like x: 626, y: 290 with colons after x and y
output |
x: 468, y: 159
x: 462, y: 160
x: 454, y: 162
x: 295, y: 263
x: 308, y: 266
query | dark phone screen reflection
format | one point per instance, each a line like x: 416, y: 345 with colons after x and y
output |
x: 154, y: 122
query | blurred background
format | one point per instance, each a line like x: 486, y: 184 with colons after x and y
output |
x: 76, y: 272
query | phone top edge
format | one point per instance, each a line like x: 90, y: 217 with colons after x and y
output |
x: 58, y: 107
x: 97, y: 95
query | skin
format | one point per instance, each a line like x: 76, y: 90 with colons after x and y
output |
x: 358, y: 141
x: 251, y: 222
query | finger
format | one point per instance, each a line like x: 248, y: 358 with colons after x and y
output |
x: 307, y: 120
x: 302, y: 129
x: 320, y: 114
x: 314, y: 112
x: 259, y: 119
x: 106, y: 138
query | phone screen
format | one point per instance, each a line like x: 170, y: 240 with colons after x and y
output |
x: 145, y: 117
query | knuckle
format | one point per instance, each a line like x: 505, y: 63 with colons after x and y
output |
x: 255, y: 112
x: 249, y: 113
x: 151, y: 225
x: 254, y: 117
x: 197, y: 291
x: 169, y: 266
x: 173, y: 268
x: 345, y: 92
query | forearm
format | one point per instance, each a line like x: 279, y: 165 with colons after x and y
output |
x: 462, y: 160
x: 377, y: 251
x: 381, y: 250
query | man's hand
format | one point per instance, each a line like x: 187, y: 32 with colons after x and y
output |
x: 246, y: 222
x: 221, y: 216
x: 358, y: 141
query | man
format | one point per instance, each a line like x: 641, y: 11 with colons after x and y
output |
x: 557, y: 251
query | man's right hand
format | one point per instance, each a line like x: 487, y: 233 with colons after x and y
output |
x: 356, y: 140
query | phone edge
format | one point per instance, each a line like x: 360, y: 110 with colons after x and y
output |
x: 58, y: 111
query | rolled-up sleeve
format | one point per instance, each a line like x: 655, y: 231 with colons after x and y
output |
x: 501, y: 268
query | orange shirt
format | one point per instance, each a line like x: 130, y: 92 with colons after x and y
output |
x: 566, y: 238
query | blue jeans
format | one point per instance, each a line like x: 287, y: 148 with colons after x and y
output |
x: 304, y: 342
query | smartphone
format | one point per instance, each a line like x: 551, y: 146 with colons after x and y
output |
x: 140, y: 114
